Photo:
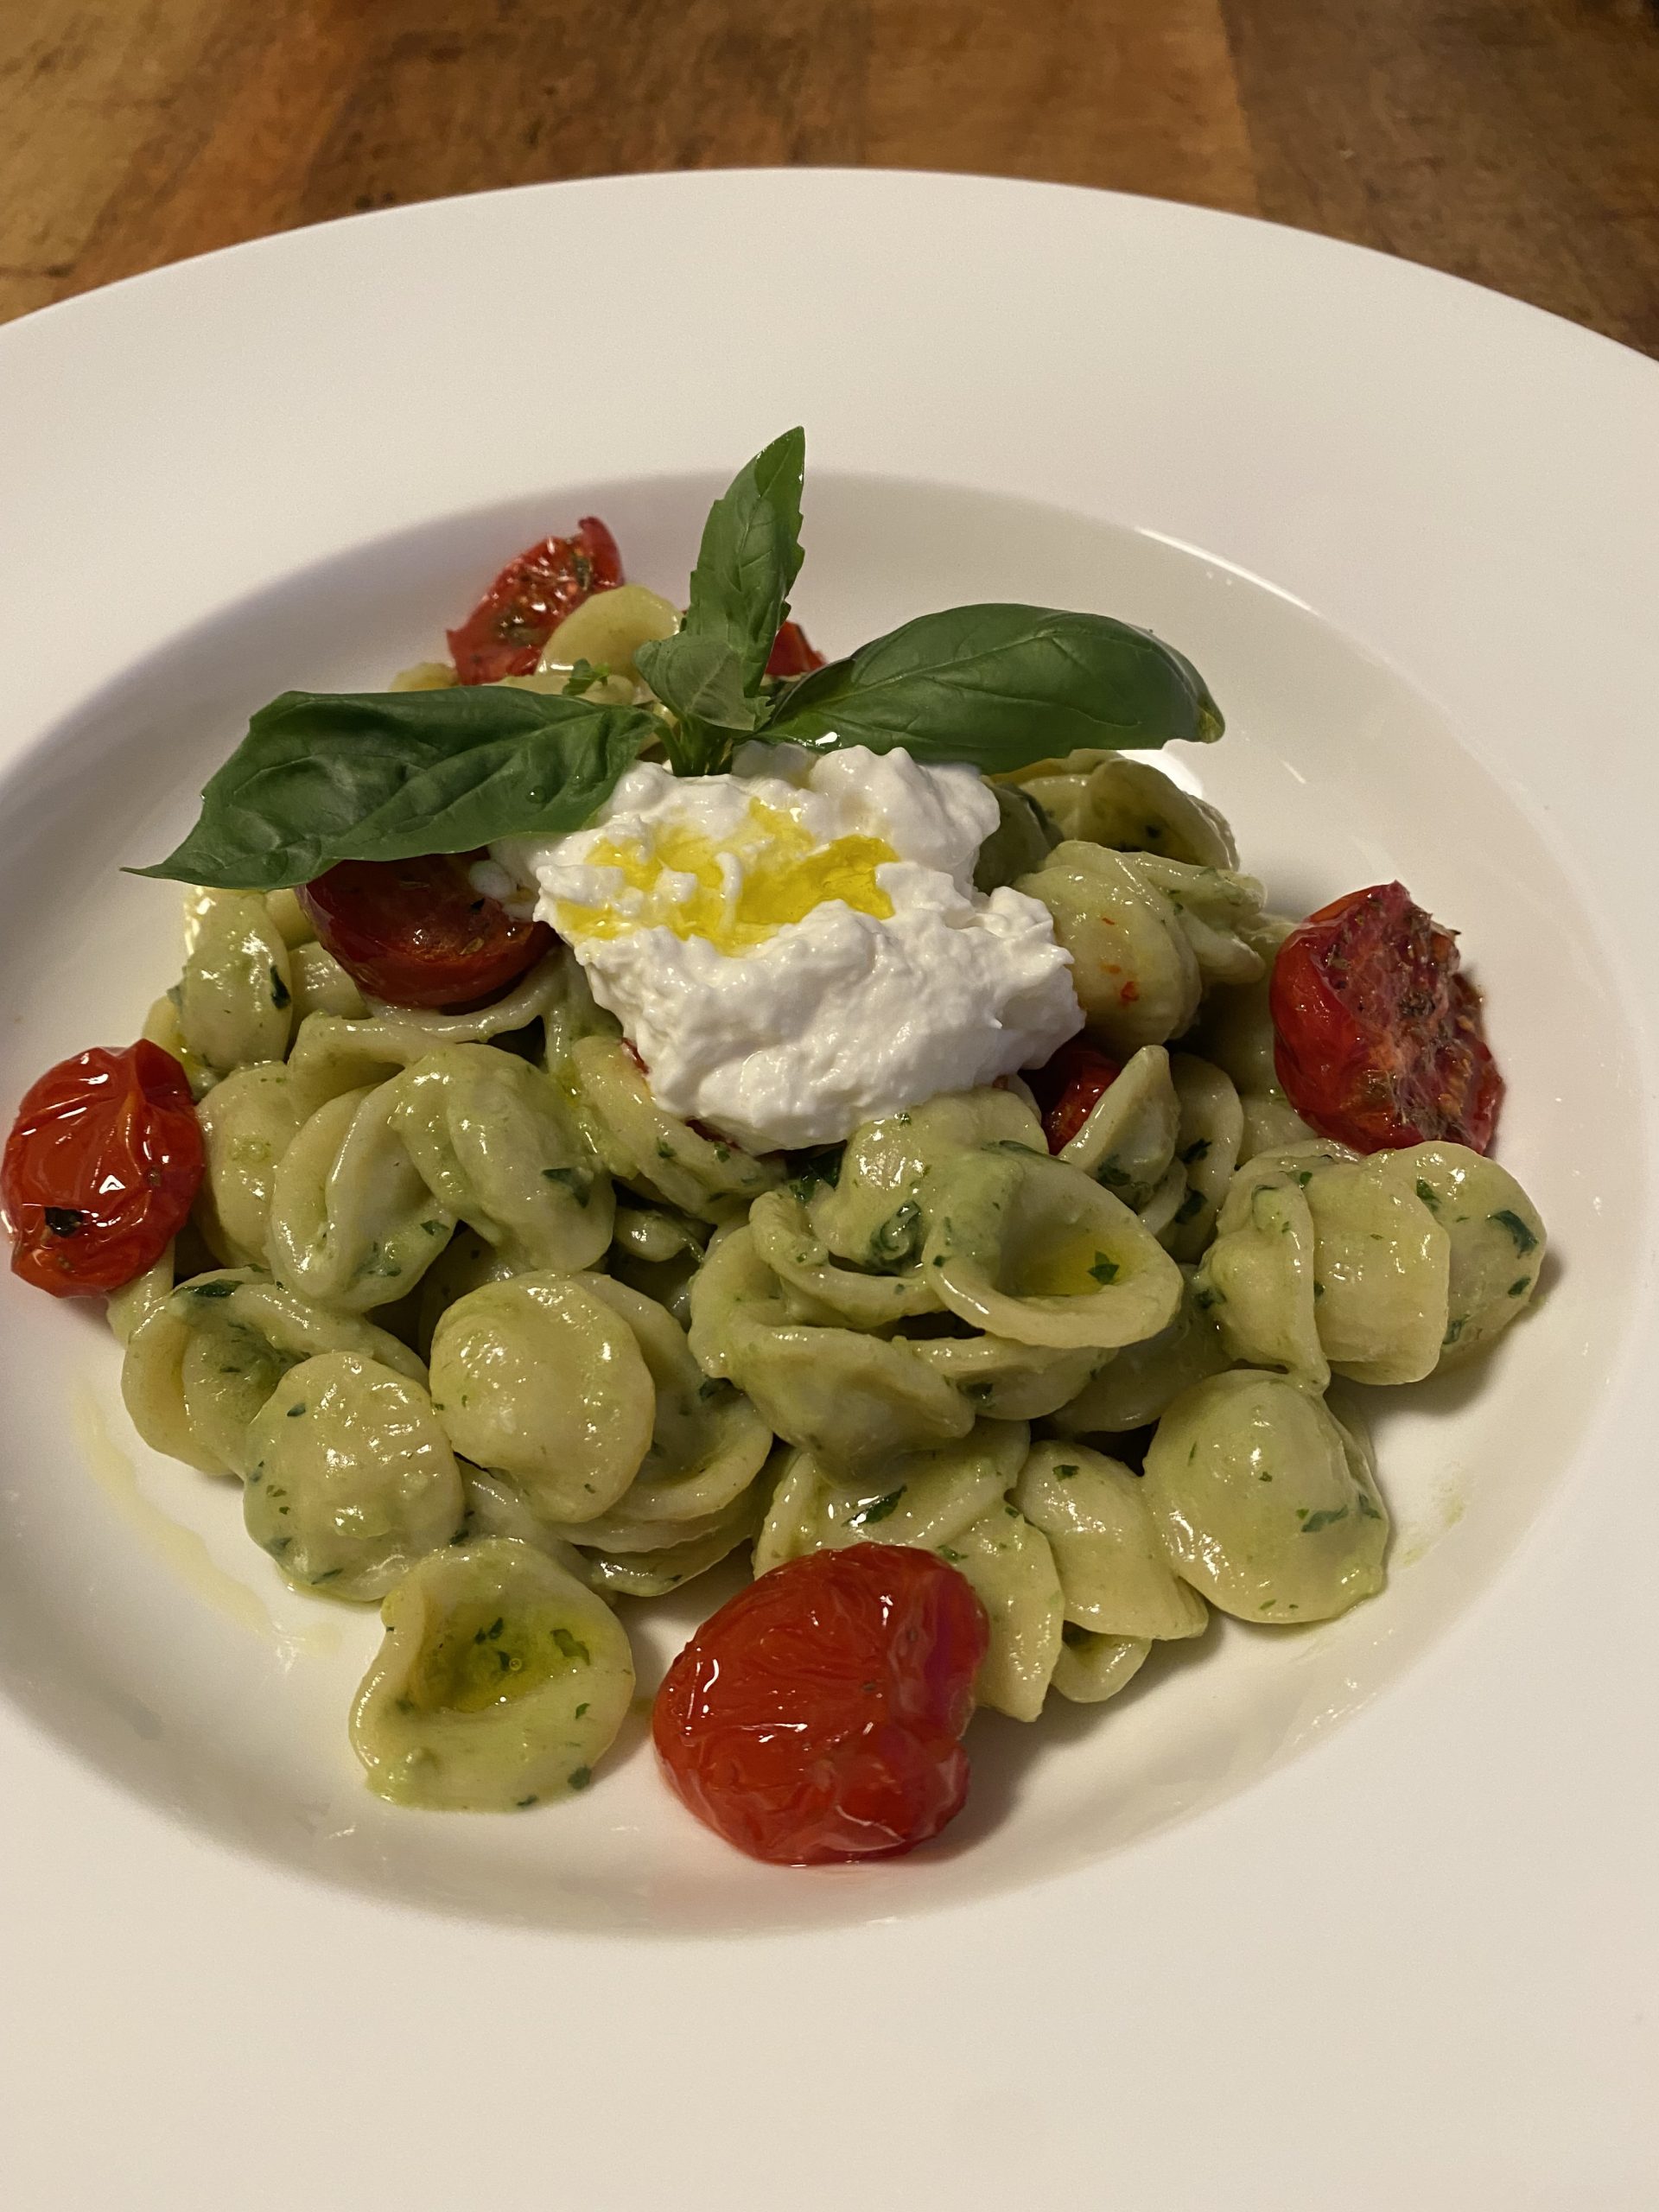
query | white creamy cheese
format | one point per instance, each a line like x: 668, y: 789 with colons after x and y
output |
x: 797, y: 946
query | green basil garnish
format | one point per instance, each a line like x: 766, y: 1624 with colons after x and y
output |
x: 1001, y: 687
x: 324, y: 776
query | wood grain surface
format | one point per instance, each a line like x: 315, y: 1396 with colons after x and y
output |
x: 1515, y: 141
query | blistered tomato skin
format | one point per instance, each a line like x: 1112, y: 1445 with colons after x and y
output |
x: 416, y: 933
x: 100, y: 1170
x: 1069, y: 1087
x: 1377, y: 1035
x: 817, y: 1717
x: 505, y: 633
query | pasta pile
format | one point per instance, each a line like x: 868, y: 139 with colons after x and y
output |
x: 486, y: 1334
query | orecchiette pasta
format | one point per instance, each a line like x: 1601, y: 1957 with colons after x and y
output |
x: 202, y: 1360
x: 248, y: 1121
x: 665, y: 1158
x: 1133, y: 807
x: 236, y: 1000
x: 350, y: 1479
x: 1032, y: 1249
x: 541, y: 1380
x: 1115, y: 1574
x: 353, y: 1222
x: 1266, y: 1502
x: 495, y: 1145
x: 501, y: 1682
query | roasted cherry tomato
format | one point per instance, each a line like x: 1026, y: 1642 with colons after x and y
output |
x: 100, y: 1170
x: 415, y: 932
x: 792, y: 652
x: 1069, y: 1087
x: 505, y: 633
x: 1378, y: 1036
x: 817, y: 1715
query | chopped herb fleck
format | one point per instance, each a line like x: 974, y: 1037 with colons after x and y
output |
x: 211, y: 1289
x: 294, y: 1412
x: 581, y: 1776
x: 581, y: 1708
x: 280, y: 995
x: 1064, y: 1474
x: 1368, y: 1509
x: 1104, y: 1270
x: 63, y: 1221
x: 1195, y: 1151
x: 1426, y: 1192
x: 1525, y: 1241
x: 522, y: 1802
x: 665, y: 1150
x: 878, y: 1509
x: 1518, y: 1289
x: 1313, y: 1523
x: 579, y: 1185
x: 1454, y: 1329
x: 571, y: 1647
x: 1207, y: 1296
x: 327, y: 1575
x: 1190, y: 1204
x: 722, y: 1153
x: 955, y: 1557
x: 899, y: 1236
x: 489, y: 1635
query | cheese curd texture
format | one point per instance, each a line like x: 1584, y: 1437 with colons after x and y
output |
x: 798, y: 946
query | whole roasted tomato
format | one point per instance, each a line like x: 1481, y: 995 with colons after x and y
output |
x: 817, y: 1715
x: 100, y: 1170
x: 416, y: 933
x: 1070, y: 1087
x: 505, y: 633
x: 1377, y: 1035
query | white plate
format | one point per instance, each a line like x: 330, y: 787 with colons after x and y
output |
x: 1407, y: 529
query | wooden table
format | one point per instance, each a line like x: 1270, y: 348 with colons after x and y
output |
x: 1513, y: 140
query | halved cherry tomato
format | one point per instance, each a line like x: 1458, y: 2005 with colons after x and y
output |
x: 817, y: 1716
x: 1069, y: 1087
x: 505, y: 633
x: 416, y: 933
x: 100, y: 1170
x: 1378, y: 1036
x: 792, y: 654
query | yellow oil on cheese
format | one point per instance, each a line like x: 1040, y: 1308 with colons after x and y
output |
x: 783, y: 873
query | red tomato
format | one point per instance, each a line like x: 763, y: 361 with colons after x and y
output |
x: 415, y: 932
x: 100, y: 1170
x: 1377, y: 1037
x: 792, y: 653
x: 505, y: 633
x: 1070, y: 1087
x: 817, y: 1716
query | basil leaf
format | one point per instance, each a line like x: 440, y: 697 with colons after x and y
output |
x: 749, y: 558
x: 699, y: 678
x: 322, y: 777
x: 1001, y: 686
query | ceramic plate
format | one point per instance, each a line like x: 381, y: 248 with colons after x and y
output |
x: 1360, y: 1916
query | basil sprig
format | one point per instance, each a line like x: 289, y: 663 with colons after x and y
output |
x: 1001, y: 686
x: 710, y: 674
x: 325, y: 777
